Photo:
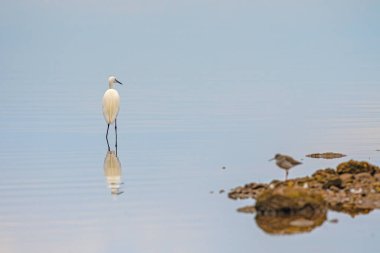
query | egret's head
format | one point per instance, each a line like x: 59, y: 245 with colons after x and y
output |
x: 112, y: 80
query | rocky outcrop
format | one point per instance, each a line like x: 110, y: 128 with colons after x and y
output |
x: 300, y: 204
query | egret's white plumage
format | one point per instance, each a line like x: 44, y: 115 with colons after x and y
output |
x: 111, y: 104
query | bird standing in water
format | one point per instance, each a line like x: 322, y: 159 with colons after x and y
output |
x: 285, y: 162
x: 111, y: 104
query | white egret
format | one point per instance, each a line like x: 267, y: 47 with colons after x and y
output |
x: 111, y: 104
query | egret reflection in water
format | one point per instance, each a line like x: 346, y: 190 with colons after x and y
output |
x: 112, y: 172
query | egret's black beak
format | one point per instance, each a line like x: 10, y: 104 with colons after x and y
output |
x: 117, y: 81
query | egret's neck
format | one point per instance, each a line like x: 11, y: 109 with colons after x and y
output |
x: 111, y: 85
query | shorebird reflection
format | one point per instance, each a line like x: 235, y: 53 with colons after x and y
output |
x: 112, y: 172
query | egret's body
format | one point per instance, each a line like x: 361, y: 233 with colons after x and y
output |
x: 111, y: 105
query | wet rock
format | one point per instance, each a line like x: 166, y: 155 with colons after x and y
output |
x: 351, y: 210
x: 335, y: 181
x: 334, y: 188
x: 377, y: 176
x: 247, y: 209
x: 346, y: 177
x: 324, y: 174
x: 289, y: 200
x: 248, y: 191
x: 327, y: 155
x: 376, y: 187
x: 363, y: 176
x: 352, y: 188
x: 355, y: 167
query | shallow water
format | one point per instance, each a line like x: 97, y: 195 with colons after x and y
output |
x: 187, y: 110
x: 54, y: 194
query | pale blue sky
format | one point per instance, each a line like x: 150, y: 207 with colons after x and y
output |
x: 280, y: 40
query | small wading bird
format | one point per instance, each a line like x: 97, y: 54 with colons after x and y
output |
x: 285, y: 162
x: 111, y: 103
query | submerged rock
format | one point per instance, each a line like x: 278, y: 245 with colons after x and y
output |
x: 247, y: 209
x: 327, y: 155
x: 334, y: 221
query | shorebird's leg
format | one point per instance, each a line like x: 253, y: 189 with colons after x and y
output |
x: 116, y: 136
x: 286, y: 175
x: 108, y: 126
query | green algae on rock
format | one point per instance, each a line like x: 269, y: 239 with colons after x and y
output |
x: 355, y: 167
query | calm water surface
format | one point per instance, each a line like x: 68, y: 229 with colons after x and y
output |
x: 207, y: 85
x: 172, y: 147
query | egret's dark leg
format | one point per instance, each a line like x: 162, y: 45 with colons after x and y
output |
x: 108, y: 144
x: 116, y: 136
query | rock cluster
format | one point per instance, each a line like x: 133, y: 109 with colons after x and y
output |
x: 353, y: 188
x: 327, y: 155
